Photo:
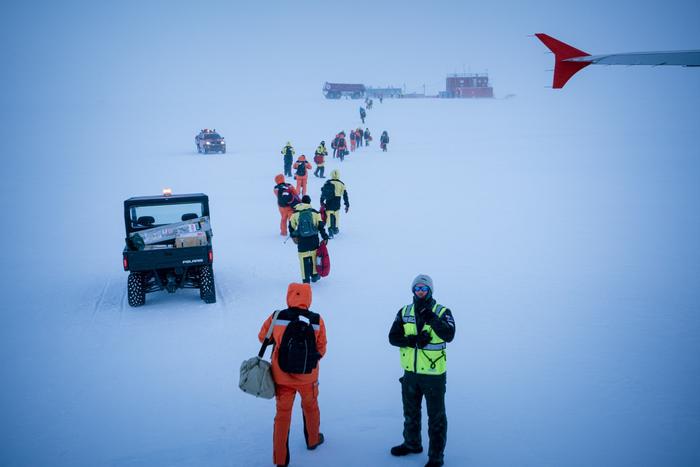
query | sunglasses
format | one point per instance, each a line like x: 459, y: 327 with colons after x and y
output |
x: 421, y: 288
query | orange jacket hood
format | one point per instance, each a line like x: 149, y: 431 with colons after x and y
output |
x: 279, y: 178
x: 299, y: 295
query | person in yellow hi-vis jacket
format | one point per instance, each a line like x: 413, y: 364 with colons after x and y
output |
x: 422, y: 330
x: 331, y: 194
x: 320, y: 159
x: 304, y: 227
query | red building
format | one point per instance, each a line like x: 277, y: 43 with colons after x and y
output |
x: 468, y: 85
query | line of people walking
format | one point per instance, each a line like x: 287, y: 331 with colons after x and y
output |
x: 299, y: 220
x: 358, y: 138
x: 420, y: 330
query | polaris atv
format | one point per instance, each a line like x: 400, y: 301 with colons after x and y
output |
x: 168, y: 246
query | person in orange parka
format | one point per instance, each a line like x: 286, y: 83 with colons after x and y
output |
x: 288, y: 384
x: 301, y: 173
x: 287, y: 198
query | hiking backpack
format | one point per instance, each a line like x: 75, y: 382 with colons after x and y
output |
x: 306, y: 227
x: 297, y: 352
x: 301, y: 169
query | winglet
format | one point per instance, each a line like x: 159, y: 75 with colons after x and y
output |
x: 563, y: 70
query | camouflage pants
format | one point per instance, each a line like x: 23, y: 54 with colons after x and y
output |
x: 413, y: 388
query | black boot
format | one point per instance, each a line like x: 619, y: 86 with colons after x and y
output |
x: 434, y: 464
x: 321, y: 439
x: 403, y: 450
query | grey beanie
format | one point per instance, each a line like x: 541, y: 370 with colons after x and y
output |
x: 423, y: 279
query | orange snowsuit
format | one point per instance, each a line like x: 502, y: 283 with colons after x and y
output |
x: 285, y: 211
x: 301, y: 179
x: 287, y: 384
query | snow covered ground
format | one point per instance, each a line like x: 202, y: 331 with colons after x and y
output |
x: 561, y: 228
x: 571, y: 269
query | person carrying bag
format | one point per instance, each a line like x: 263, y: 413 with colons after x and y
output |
x: 300, y: 343
x: 256, y: 374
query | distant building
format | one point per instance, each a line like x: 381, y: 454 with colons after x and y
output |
x: 374, y: 93
x: 467, y: 85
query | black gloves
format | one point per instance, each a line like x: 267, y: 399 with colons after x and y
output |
x: 411, y: 340
x: 347, y: 207
x: 427, y: 315
x: 423, y: 339
x: 420, y: 341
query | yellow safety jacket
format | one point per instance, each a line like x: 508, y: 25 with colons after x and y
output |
x: 431, y: 359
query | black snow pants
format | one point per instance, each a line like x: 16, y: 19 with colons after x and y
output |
x: 413, y: 388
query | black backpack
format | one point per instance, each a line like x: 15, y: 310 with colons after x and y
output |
x: 301, y: 168
x: 297, y: 352
x: 328, y: 191
x: 284, y: 195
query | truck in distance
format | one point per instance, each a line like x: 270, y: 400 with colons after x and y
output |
x: 209, y: 141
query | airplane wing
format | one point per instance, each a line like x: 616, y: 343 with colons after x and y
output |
x: 679, y: 57
x: 569, y: 60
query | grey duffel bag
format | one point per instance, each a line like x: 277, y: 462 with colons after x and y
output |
x: 256, y: 378
x: 256, y: 375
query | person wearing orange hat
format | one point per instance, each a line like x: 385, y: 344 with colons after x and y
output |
x: 296, y: 320
x: 287, y: 198
x: 301, y: 171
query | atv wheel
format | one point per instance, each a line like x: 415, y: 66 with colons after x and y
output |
x: 207, y: 290
x: 136, y: 290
